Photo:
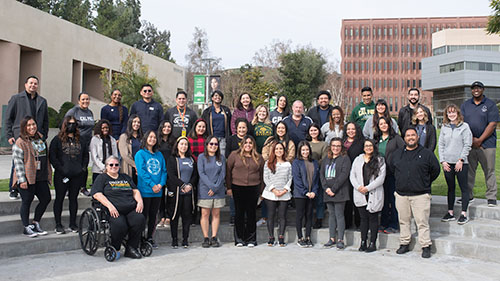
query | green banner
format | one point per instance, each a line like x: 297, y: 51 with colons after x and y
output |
x: 272, y: 104
x: 199, y: 89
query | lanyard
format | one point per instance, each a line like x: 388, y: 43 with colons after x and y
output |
x: 182, y: 115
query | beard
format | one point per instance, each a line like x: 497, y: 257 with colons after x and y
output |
x: 412, y: 145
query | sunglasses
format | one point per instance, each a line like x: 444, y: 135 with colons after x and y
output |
x: 147, y: 91
x: 114, y: 165
x: 213, y: 144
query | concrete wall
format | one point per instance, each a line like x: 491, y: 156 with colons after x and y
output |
x: 55, y: 50
x: 470, y: 36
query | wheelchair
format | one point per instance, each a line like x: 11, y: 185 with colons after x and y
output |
x: 94, y: 232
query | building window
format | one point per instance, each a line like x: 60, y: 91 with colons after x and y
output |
x: 413, y: 48
x: 420, y: 83
x: 379, y: 32
x: 413, y: 31
x: 356, y: 66
x: 390, y: 49
x: 385, y: 65
x: 395, y: 48
x: 395, y: 65
x: 356, y: 84
x: 367, y: 82
x: 419, y: 31
x: 345, y: 66
x: 425, y: 48
x: 419, y: 48
x: 414, y: 83
x: 419, y: 65
x: 390, y: 31
x: 374, y: 83
x: 408, y: 83
x: 366, y: 66
x: 407, y: 48
x: 407, y: 31
x: 351, y: 31
x: 390, y: 83
x: 362, y: 66
x: 452, y: 67
x: 385, y: 84
x: 425, y: 30
x: 385, y: 31
x: 390, y: 104
x: 379, y: 82
x: 379, y: 49
x: 350, y: 84
x: 395, y: 83
x: 414, y: 65
x: 396, y: 104
x: 367, y: 31
x: 396, y: 32
x: 385, y: 49
x: 374, y: 66
x: 357, y: 32
x: 362, y: 32
x: 390, y: 66
x: 367, y: 49
x: 345, y: 32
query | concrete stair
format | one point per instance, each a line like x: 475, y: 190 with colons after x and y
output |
x: 478, y: 239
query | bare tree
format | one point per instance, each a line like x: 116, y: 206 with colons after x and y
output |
x: 269, y: 59
x: 335, y: 85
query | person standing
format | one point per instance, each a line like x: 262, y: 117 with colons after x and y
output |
x: 425, y: 129
x: 364, y: 109
x: 116, y: 114
x: 334, y: 175
x: 197, y: 137
x: 481, y: 114
x: 321, y: 113
x: 182, y: 181
x: 151, y: 177
x: 70, y: 159
x: 297, y: 123
x: 244, y: 109
x: 305, y: 172
x: 244, y: 181
x: 277, y: 193
x: 406, y: 112
x: 25, y: 103
x: 166, y: 143
x: 280, y: 135
x: 415, y: 168
x: 32, y: 174
x: 181, y: 116
x: 149, y: 111
x: 129, y: 144
x: 211, y: 190
x: 381, y: 110
x: 102, y: 146
x: 262, y: 126
x: 282, y: 110
x: 455, y: 141
x: 218, y: 118
x: 334, y: 128
x: 367, y: 178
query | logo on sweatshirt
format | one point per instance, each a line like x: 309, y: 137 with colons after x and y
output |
x: 218, y: 163
x: 153, y: 166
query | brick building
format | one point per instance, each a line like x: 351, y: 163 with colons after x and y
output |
x: 386, y: 55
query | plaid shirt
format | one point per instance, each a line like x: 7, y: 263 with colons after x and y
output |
x: 197, y: 146
x: 23, y: 156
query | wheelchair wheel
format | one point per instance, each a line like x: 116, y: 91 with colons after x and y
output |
x: 110, y: 254
x: 88, y: 231
x: 146, y: 248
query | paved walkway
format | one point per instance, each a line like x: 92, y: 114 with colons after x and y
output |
x: 260, y: 263
x: 5, y: 165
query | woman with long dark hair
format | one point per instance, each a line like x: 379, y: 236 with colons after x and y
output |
x: 166, y: 142
x: 102, y: 146
x: 306, y: 183
x: 388, y: 141
x: 128, y: 145
x: 151, y: 177
x: 277, y: 193
x: 244, y: 182
x: 244, y: 109
x: 367, y: 177
x: 70, y: 159
x: 197, y: 137
x: 32, y: 174
x: 280, y: 135
x: 282, y: 110
x: 211, y: 190
x: 371, y: 124
x: 334, y: 128
x: 334, y: 175
x: 116, y: 114
x: 182, y: 180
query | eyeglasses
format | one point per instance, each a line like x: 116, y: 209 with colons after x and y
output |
x: 213, y: 144
x: 147, y: 91
x: 114, y: 165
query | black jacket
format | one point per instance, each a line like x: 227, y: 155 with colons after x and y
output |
x: 174, y: 183
x: 63, y: 162
x: 430, y: 137
x: 393, y: 144
x: 414, y: 170
x: 340, y: 183
x: 172, y: 115
x: 404, y: 117
x: 356, y: 149
x: 19, y: 107
x: 207, y: 116
x: 314, y: 114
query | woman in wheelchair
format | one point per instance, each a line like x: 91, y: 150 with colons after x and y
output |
x: 118, y: 193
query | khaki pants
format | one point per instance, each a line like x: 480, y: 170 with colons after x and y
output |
x: 486, y: 157
x: 420, y: 207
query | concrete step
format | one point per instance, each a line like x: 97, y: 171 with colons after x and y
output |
x: 476, y: 228
x: 477, y: 209
x: 443, y: 244
x: 11, y: 224
x: 11, y: 207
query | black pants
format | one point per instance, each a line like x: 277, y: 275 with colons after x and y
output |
x: 368, y: 221
x: 94, y: 176
x: 162, y: 212
x: 349, y: 210
x: 184, y: 210
x: 128, y: 222
x: 245, y: 204
x: 41, y: 190
x: 462, y: 182
x: 271, y: 210
x: 389, y: 217
x: 72, y: 187
x: 304, y: 207
x: 151, y: 205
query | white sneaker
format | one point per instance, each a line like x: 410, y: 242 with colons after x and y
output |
x: 38, y: 229
x: 29, y: 231
x: 250, y: 245
x: 239, y: 245
x: 261, y: 222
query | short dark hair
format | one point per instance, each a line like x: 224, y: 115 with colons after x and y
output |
x: 82, y: 93
x: 367, y: 89
x: 320, y: 135
x: 411, y: 128
x: 414, y: 89
x: 324, y: 93
x: 181, y: 93
x: 29, y: 77
x: 146, y: 85
x: 218, y: 93
x: 144, y: 140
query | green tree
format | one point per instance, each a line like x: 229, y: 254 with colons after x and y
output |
x: 494, y: 19
x: 302, y: 73
x: 65, y: 107
x: 44, y: 5
x: 133, y: 74
x: 156, y: 42
x: 76, y: 11
x: 254, y: 83
x: 119, y: 20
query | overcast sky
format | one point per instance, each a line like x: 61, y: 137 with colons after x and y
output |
x: 237, y: 29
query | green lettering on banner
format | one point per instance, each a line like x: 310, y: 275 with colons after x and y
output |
x: 199, y: 89
x: 272, y: 104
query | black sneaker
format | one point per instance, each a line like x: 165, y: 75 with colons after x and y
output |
x: 492, y: 203
x: 340, y: 245
x: 362, y: 247
x: 29, y: 231
x: 271, y: 241
x: 309, y: 243
x: 426, y: 252
x: 38, y: 229
x: 448, y: 217
x: 205, y: 243
x: 403, y: 249
x: 318, y: 224
x: 13, y: 195
x: 174, y: 244
x: 329, y: 244
x: 132, y: 253
x: 302, y: 243
x: 185, y: 244
x: 73, y: 228
x: 60, y: 229
x: 214, y: 242
x: 84, y: 191
x: 371, y: 248
x: 462, y: 219
x: 281, y: 241
x: 153, y: 243
x: 459, y: 201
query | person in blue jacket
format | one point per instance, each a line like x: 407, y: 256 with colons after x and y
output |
x: 149, y: 110
x: 116, y: 114
x: 151, y: 176
x: 305, y: 172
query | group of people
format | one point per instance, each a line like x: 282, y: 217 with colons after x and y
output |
x: 150, y: 168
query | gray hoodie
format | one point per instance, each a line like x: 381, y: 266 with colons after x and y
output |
x: 454, y: 143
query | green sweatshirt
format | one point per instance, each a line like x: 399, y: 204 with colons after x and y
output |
x: 362, y: 112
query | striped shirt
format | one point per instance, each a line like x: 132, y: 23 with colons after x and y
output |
x: 281, y: 179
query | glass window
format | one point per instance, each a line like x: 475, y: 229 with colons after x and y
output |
x: 357, y: 32
x: 390, y: 65
x: 385, y: 65
x: 419, y: 48
x: 413, y: 48
x: 420, y: 83
x: 385, y: 31
x: 395, y: 48
x: 414, y: 65
x: 390, y: 31
x: 351, y: 31
x: 385, y: 84
x: 396, y: 103
x: 395, y: 32
x: 367, y: 31
x: 390, y: 104
x: 362, y: 32
x: 379, y: 32
x: 356, y: 84
x: 408, y: 31
x: 425, y: 30
x: 413, y: 31
x: 362, y: 66
x: 390, y: 49
x: 356, y: 66
x: 419, y: 65
x: 395, y: 83
x: 407, y: 83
